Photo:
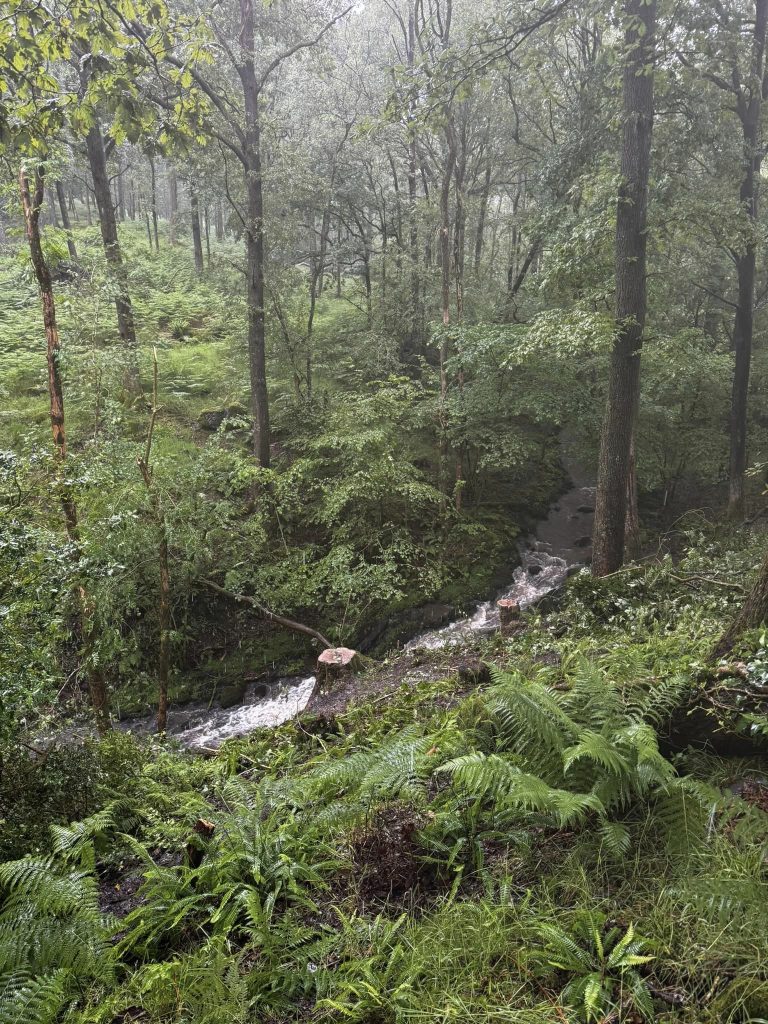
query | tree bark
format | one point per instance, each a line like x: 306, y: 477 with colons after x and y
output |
x: 97, y: 159
x: 197, y: 243
x: 219, y: 221
x: 631, y: 301
x: 31, y: 203
x: 748, y: 106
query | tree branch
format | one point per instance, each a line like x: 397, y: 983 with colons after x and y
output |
x: 281, y: 620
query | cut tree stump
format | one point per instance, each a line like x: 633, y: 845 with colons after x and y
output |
x: 509, y: 615
x: 336, y: 662
x: 198, y: 842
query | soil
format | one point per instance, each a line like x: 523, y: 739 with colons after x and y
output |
x: 380, y: 681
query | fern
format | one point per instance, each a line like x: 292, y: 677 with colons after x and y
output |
x: 53, y: 939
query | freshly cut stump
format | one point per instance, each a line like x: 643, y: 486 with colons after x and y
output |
x: 336, y: 662
x: 509, y: 615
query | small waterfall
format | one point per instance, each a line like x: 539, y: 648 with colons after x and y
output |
x: 264, y: 706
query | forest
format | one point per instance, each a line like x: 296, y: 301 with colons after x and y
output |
x: 383, y: 512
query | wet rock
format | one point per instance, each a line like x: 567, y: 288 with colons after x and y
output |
x: 534, y: 569
x: 212, y: 419
x: 583, y: 542
x: 585, y: 509
x: 258, y: 692
x: 232, y: 694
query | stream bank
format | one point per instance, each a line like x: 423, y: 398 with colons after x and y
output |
x: 561, y: 543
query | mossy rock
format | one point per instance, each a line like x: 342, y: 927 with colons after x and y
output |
x: 744, y: 999
x: 212, y: 419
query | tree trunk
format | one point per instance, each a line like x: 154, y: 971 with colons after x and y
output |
x: 219, y: 220
x: 97, y: 159
x: 479, y: 237
x: 31, y: 203
x: 748, y: 106
x: 207, y: 226
x: 631, y: 236
x: 66, y: 221
x: 173, y: 206
x: 445, y: 262
x: 197, y: 243
x: 257, y: 357
x: 153, y: 196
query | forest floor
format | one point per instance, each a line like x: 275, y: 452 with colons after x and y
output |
x: 433, y: 842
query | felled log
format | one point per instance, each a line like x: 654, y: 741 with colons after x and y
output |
x: 335, y: 663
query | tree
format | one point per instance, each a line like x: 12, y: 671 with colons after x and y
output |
x: 631, y: 300
x: 238, y: 129
x: 32, y: 198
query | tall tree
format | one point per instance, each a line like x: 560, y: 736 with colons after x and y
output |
x: 32, y: 198
x: 749, y: 99
x: 631, y: 298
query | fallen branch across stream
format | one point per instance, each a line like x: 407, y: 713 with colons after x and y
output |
x: 281, y: 620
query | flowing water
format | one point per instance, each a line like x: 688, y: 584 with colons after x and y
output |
x: 562, y: 542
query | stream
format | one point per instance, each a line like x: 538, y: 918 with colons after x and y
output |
x: 561, y: 543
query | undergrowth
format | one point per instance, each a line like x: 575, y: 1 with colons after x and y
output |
x: 529, y: 851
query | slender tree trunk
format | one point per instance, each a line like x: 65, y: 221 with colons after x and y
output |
x: 120, y: 185
x: 88, y: 214
x: 479, y: 237
x: 153, y: 196
x: 445, y: 263
x: 97, y: 159
x: 748, y: 105
x: 207, y: 226
x: 31, y: 203
x: 173, y: 205
x: 66, y: 224
x: 219, y: 221
x: 631, y: 235
x: 164, y: 589
x: 51, y: 203
x: 257, y: 355
x: 197, y: 243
